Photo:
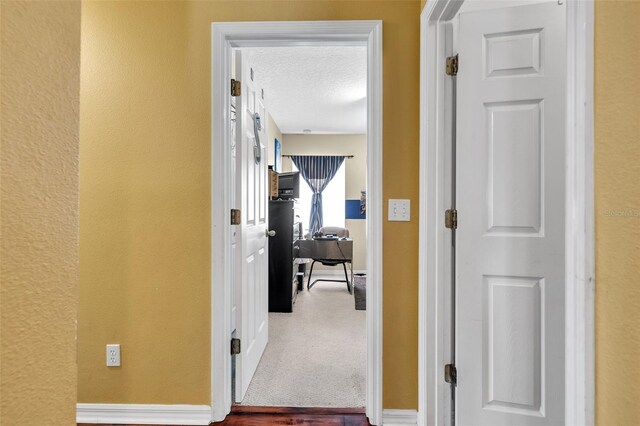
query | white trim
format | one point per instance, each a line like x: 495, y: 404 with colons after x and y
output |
x: 580, y: 232
x: 434, y: 257
x: 247, y: 34
x: 220, y: 232
x: 143, y: 414
x: 374, y: 290
x: 580, y: 215
x: 399, y: 417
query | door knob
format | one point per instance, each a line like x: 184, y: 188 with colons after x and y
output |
x: 270, y: 233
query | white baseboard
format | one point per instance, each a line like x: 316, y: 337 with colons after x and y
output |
x: 399, y: 417
x: 144, y: 414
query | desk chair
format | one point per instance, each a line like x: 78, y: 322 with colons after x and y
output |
x: 340, y: 233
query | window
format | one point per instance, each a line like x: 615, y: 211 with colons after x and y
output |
x: 332, y: 200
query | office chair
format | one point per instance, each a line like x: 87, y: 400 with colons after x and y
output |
x: 340, y: 233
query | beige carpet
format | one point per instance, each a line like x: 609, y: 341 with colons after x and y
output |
x: 316, y: 356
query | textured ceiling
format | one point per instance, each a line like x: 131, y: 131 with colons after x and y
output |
x: 318, y: 88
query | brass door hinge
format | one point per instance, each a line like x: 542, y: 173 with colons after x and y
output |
x: 235, y: 216
x: 451, y: 374
x: 235, y: 87
x: 451, y: 219
x: 452, y: 65
x: 235, y: 346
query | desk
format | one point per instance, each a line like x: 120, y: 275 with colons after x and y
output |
x: 328, y: 252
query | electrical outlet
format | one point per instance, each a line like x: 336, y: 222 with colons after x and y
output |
x: 113, y: 355
x: 400, y: 210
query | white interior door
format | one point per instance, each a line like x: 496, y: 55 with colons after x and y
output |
x: 510, y: 291
x: 252, y: 275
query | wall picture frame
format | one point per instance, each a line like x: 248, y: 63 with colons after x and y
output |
x: 277, y: 167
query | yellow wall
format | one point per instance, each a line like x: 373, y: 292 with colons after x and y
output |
x: 617, y: 196
x: 40, y: 51
x: 355, y: 178
x: 144, y: 190
x: 148, y: 156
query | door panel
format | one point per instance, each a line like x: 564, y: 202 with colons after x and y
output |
x: 512, y: 352
x: 262, y: 187
x: 513, y: 53
x: 510, y: 201
x: 514, y: 169
x: 252, y: 267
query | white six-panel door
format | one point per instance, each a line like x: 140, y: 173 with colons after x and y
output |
x: 252, y: 275
x: 511, y: 218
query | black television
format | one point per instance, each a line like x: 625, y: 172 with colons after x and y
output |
x: 289, y: 185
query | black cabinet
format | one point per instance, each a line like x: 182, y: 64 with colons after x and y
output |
x: 283, y: 285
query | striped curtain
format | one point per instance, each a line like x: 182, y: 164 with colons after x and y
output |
x: 317, y: 171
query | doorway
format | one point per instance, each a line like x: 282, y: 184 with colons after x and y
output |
x: 465, y: 372
x: 311, y: 103
x: 226, y: 37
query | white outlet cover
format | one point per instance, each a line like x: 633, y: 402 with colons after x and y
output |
x: 113, y: 355
x: 399, y: 210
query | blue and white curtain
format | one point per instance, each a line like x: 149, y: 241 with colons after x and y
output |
x: 317, y: 171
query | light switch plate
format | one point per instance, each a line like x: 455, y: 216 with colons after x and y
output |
x: 399, y: 210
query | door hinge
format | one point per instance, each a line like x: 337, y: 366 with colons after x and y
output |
x: 451, y: 374
x: 452, y: 65
x: 235, y: 87
x: 451, y: 219
x: 235, y: 346
x: 235, y: 216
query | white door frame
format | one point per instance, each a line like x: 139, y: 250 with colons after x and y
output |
x: 277, y: 34
x: 434, y: 248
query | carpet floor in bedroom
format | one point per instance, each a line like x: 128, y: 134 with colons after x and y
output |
x: 317, y: 355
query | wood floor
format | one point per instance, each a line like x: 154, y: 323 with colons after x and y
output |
x: 259, y: 416
x: 254, y: 416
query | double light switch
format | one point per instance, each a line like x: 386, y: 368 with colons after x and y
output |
x: 399, y: 210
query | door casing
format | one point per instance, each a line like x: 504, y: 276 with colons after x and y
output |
x: 224, y: 37
x: 435, y: 182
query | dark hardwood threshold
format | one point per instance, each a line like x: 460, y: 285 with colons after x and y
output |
x: 309, y: 416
